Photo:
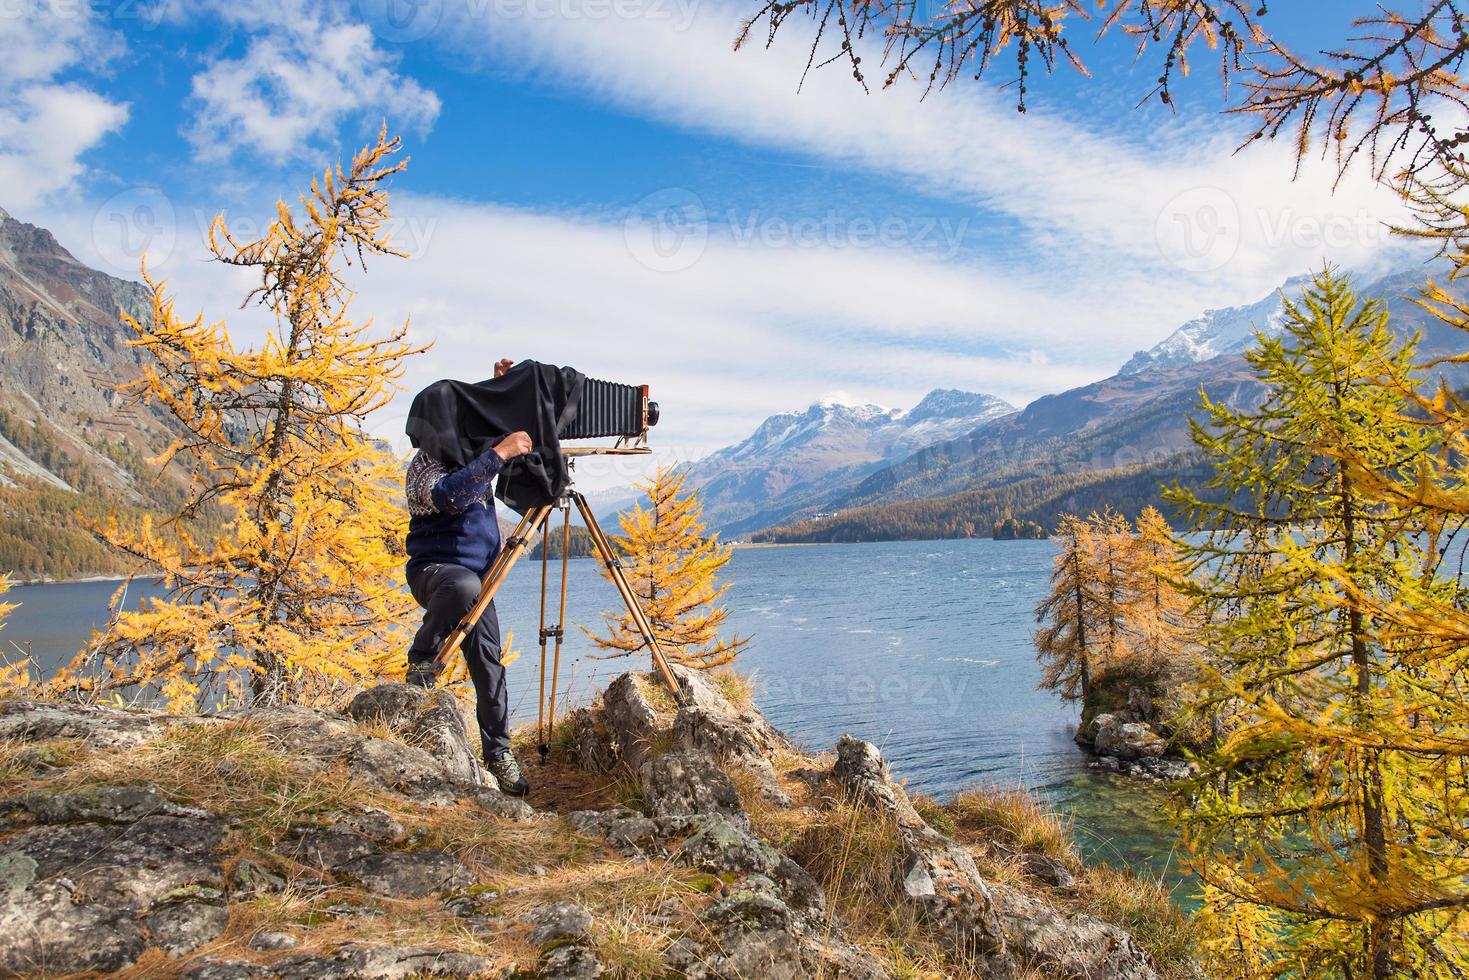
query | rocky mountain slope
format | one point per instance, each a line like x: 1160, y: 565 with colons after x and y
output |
x: 671, y: 835
x: 796, y: 460
x: 66, y: 437
x: 1135, y: 422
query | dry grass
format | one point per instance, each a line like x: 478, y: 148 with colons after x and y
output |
x: 737, y: 688
x: 1144, y: 907
x: 1014, y: 819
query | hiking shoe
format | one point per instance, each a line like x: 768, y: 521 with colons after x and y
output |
x: 424, y: 673
x: 507, y: 773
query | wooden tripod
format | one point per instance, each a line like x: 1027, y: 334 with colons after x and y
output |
x: 515, y: 546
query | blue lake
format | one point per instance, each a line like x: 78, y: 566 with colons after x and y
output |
x: 922, y: 647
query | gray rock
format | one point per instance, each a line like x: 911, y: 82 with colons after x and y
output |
x: 130, y: 866
x: 100, y: 728
x: 571, y: 963
x: 1111, y: 735
x: 683, y: 784
x: 184, y: 927
x: 380, y: 963
x: 1069, y: 945
x: 326, y: 741
x: 594, y: 823
x: 1047, y: 869
x: 48, y: 930
x: 251, y: 878
x: 427, y: 719
x: 621, y: 731
x: 212, y: 969
x: 719, y: 846
x: 376, y: 825
x: 497, y: 804
x: 326, y: 847
x: 940, y: 881
x: 109, y: 804
x: 632, y: 836
x: 271, y: 941
x: 1107, y: 763
x: 408, y: 874
x: 560, y: 922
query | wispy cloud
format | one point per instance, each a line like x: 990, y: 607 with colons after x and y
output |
x: 48, y: 124
x: 306, y: 69
x: 1175, y: 202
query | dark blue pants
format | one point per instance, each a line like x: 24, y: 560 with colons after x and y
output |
x: 446, y: 592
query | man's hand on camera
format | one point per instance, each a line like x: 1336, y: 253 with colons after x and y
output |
x: 513, y: 445
x: 503, y: 365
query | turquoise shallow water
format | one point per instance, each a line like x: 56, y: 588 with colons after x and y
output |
x: 922, y: 647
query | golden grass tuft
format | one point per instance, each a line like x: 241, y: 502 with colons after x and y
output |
x: 737, y: 688
x: 1014, y: 819
x: 226, y: 767
x: 1144, y: 907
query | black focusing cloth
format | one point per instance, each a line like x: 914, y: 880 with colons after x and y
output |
x: 455, y: 422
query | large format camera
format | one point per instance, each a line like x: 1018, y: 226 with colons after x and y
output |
x: 606, y: 409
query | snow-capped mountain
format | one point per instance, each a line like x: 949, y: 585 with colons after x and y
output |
x: 1225, y: 331
x: 794, y: 458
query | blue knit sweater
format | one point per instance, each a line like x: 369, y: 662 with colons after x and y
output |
x: 451, y: 514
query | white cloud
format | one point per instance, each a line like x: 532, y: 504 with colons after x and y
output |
x: 305, y: 71
x: 47, y: 124
x: 1084, y: 196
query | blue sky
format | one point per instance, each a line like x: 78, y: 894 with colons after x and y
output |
x: 607, y: 183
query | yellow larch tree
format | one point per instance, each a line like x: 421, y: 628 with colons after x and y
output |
x: 15, y: 677
x: 1159, y: 609
x: 1113, y: 545
x: 1327, y: 821
x: 673, y: 564
x: 301, y: 591
x: 1064, y: 643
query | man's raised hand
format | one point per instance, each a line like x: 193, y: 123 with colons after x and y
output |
x: 503, y: 365
x: 513, y: 445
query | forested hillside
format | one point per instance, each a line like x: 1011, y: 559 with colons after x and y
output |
x: 71, y: 448
x: 974, y: 513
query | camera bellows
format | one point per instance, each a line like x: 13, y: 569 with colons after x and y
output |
x: 607, y: 409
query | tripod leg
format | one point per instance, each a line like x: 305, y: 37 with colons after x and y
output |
x: 629, y: 597
x: 561, y: 615
x: 541, y: 704
x: 509, y: 554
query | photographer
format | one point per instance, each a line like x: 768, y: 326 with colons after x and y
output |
x: 453, y: 538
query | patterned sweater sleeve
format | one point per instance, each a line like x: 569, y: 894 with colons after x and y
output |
x: 431, y: 489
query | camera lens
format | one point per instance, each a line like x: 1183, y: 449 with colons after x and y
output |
x: 652, y: 413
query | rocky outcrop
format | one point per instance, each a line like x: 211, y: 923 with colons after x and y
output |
x: 1001, y: 926
x: 97, y: 878
x: 329, y: 740
x: 79, y: 896
x: 629, y: 726
x: 92, y: 877
x: 1129, y: 742
x: 939, y: 880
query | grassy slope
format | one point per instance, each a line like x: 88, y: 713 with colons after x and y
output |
x: 640, y: 907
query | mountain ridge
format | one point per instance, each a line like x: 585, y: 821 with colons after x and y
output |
x: 794, y: 457
x: 1134, y: 421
